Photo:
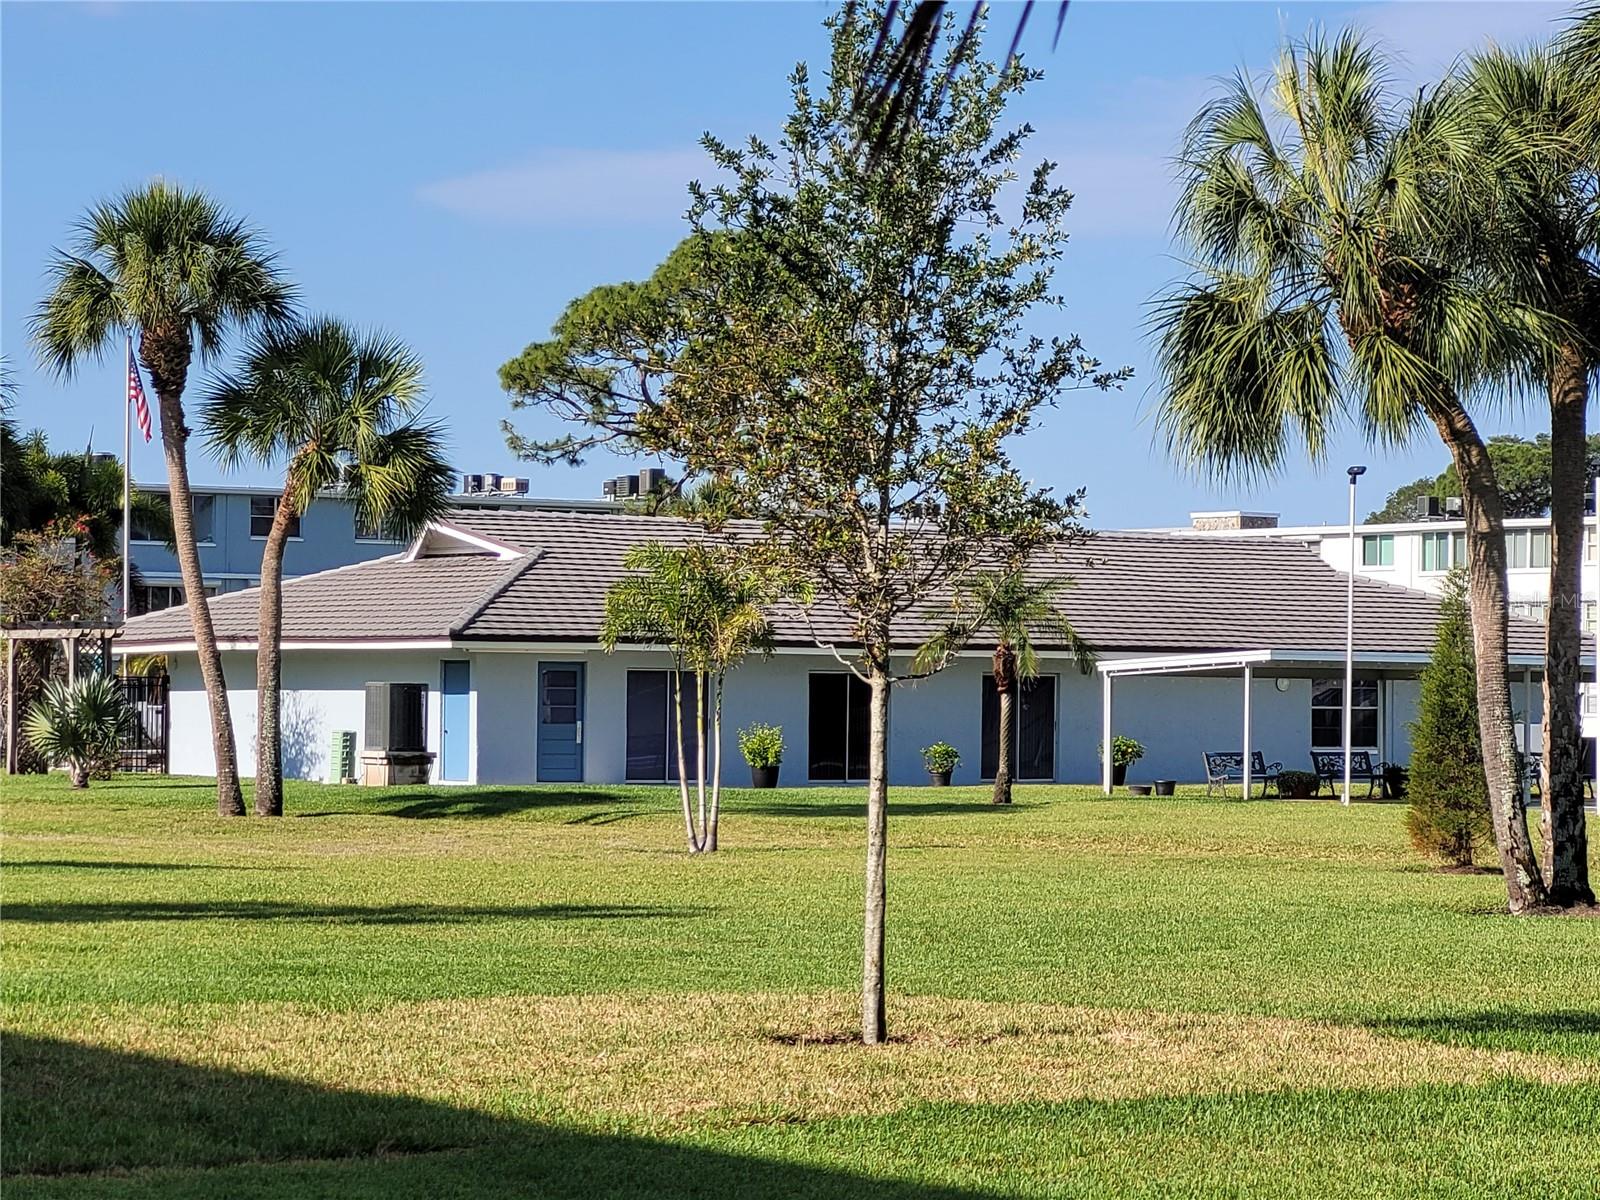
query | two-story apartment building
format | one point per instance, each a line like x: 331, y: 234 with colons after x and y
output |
x: 1419, y: 554
x: 231, y: 523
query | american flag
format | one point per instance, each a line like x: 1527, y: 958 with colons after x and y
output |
x: 141, y: 406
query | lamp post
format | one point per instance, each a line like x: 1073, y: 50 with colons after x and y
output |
x: 1354, y: 473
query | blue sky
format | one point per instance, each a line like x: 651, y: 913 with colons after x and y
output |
x: 456, y: 173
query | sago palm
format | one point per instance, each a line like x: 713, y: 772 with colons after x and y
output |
x: 1018, y: 612
x: 171, y: 266
x: 1320, y: 294
x: 334, y: 405
x: 1533, y: 220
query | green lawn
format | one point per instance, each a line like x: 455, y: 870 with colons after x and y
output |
x: 529, y: 992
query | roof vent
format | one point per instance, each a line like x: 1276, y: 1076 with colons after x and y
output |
x: 1428, y: 508
x: 1211, y: 522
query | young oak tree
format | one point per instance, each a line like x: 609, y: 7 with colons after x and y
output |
x: 846, y: 346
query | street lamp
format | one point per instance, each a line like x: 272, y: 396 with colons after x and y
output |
x: 1355, y: 473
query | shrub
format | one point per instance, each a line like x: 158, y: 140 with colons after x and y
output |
x: 1297, y: 783
x: 940, y: 757
x: 762, y: 745
x: 1125, y: 751
x: 1448, y: 816
x: 78, y: 725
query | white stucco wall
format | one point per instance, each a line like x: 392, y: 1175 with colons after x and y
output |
x: 1177, y: 718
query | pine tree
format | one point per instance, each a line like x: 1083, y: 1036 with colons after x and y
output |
x: 1449, y: 815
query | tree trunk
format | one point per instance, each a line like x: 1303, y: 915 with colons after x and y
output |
x: 165, y: 354
x: 1561, y: 818
x: 1005, y: 686
x: 683, y: 766
x: 700, y: 751
x: 874, y: 1022
x: 78, y: 774
x: 269, y: 664
x: 716, y: 764
x: 1486, y: 585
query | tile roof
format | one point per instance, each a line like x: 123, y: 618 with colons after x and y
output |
x: 1134, y: 592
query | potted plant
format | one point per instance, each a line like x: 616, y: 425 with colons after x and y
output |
x: 941, y: 759
x: 1124, y: 752
x: 1395, y: 781
x: 762, y: 747
x: 1297, y: 785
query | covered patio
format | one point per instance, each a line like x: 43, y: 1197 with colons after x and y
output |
x: 1384, y: 668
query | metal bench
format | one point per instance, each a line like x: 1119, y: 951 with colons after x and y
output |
x: 1329, y: 766
x: 1227, y: 766
x: 1533, y: 767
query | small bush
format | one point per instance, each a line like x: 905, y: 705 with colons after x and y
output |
x: 1125, y: 751
x: 762, y: 745
x: 78, y: 726
x: 940, y: 757
x: 1295, y: 783
x: 1448, y: 816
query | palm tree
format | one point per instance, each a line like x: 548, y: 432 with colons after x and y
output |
x: 79, y: 724
x: 1019, y: 612
x: 333, y: 404
x: 170, y: 265
x: 1535, y: 221
x: 1319, y: 289
x: 707, y: 608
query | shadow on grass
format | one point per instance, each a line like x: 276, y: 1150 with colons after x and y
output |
x: 802, y: 808
x: 335, y: 914
x: 498, y: 802
x: 1563, y: 1031
x: 72, y: 864
x: 69, y: 1109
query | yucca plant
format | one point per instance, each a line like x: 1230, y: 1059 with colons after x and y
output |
x: 79, y: 724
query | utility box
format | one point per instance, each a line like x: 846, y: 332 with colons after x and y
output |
x: 395, y: 748
x: 342, y: 757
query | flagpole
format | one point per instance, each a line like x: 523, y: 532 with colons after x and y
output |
x: 127, y: 481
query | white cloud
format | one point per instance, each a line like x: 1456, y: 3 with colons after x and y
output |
x: 577, y: 187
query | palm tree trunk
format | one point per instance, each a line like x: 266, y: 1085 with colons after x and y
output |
x: 269, y: 667
x: 1561, y: 817
x: 683, y: 766
x: 874, y: 1017
x: 1486, y: 585
x: 165, y: 355
x: 1005, y: 686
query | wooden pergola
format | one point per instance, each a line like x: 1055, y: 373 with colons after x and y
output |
x: 72, y: 635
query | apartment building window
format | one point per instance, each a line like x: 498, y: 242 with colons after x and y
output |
x: 1591, y: 616
x: 1530, y: 610
x: 1377, y: 550
x: 368, y: 532
x: 838, y: 727
x: 1327, y: 714
x: 1588, y: 546
x: 153, y: 597
x: 1441, y: 551
x: 262, y: 510
x: 1528, y: 548
x: 201, y: 505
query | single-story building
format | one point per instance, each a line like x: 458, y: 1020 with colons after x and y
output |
x: 498, y: 614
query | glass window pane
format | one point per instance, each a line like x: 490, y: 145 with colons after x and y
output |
x: 858, y: 746
x: 203, y: 508
x: 1517, y: 548
x: 647, y: 725
x: 1327, y: 728
x: 1458, y: 550
x: 1539, y: 553
x: 1327, y: 693
x: 1036, y: 729
x: 825, y: 728
x: 989, y: 756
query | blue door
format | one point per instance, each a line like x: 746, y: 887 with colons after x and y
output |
x: 455, y: 720
x: 560, y: 722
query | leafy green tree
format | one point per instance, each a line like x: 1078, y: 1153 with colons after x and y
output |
x: 848, y: 353
x: 1448, y: 816
x: 78, y: 724
x: 1522, y: 469
x: 48, y: 576
x: 707, y: 605
x: 337, y: 407
x: 1017, y: 612
x: 1534, y: 221
x: 1324, y: 289
x: 170, y: 265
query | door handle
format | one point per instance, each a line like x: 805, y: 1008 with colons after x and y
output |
x: 580, y: 733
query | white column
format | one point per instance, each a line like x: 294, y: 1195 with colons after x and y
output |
x: 1248, y: 673
x: 1105, y: 733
